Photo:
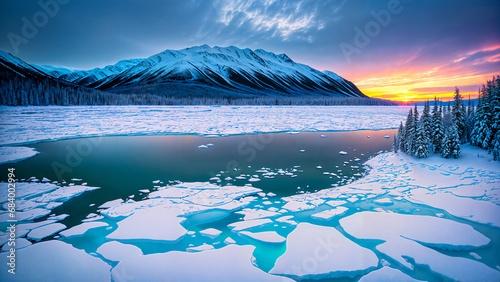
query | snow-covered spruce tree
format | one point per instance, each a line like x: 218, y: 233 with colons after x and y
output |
x: 495, y: 151
x: 395, y: 144
x: 458, y: 114
x: 451, y: 143
x: 421, y: 141
x: 401, y: 137
x: 482, y: 126
x: 447, y: 116
x: 427, y: 120
x: 414, y: 132
x: 409, y: 133
x: 494, y: 93
x: 469, y: 121
x: 475, y: 127
x: 438, y: 130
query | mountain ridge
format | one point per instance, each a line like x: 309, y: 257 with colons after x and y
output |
x: 244, y: 72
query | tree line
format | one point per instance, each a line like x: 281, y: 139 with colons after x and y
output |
x: 16, y: 90
x: 443, y: 130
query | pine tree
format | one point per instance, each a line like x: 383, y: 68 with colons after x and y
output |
x: 401, y: 137
x: 447, y: 116
x: 451, y: 143
x: 494, y: 93
x: 482, y: 125
x: 458, y: 114
x: 438, y: 131
x: 496, y: 147
x: 421, y: 141
x: 427, y: 120
x: 410, y: 132
x: 413, y: 136
x: 395, y: 144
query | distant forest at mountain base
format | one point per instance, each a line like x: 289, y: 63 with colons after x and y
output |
x: 16, y: 90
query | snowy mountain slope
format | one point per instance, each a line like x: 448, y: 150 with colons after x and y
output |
x: 230, y: 68
x: 86, y: 77
x: 11, y: 63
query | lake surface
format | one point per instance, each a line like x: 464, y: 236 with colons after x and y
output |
x: 301, y: 163
x: 125, y: 164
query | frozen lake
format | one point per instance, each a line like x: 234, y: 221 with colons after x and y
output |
x: 215, y: 202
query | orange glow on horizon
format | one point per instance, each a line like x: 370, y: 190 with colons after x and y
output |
x: 419, y: 83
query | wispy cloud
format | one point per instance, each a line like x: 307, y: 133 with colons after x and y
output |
x: 284, y: 19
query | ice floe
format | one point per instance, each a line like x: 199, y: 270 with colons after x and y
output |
x: 156, y: 223
x: 81, y: 229
x: 413, y: 235
x: 387, y: 274
x: 211, y: 232
x: 452, y: 235
x: 201, y: 248
x: 59, y: 261
x: 265, y: 236
x: 256, y: 213
x: 116, y: 251
x: 449, y: 267
x: 329, y: 214
x: 247, y: 224
x: 315, y: 251
x: 230, y: 263
x: 19, y: 243
x: 15, y: 154
x: 45, y: 231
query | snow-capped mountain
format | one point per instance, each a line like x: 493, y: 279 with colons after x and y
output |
x: 215, y: 69
x: 86, y: 77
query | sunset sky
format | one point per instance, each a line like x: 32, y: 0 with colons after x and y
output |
x: 390, y: 49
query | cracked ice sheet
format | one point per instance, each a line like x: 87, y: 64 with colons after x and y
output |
x: 22, y: 125
x: 230, y: 263
x: 467, y: 208
x: 455, y: 268
x: 452, y: 235
x: 315, y: 251
x: 35, y: 200
x: 15, y: 154
x: 423, y: 181
x: 190, y: 198
x: 408, y: 236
